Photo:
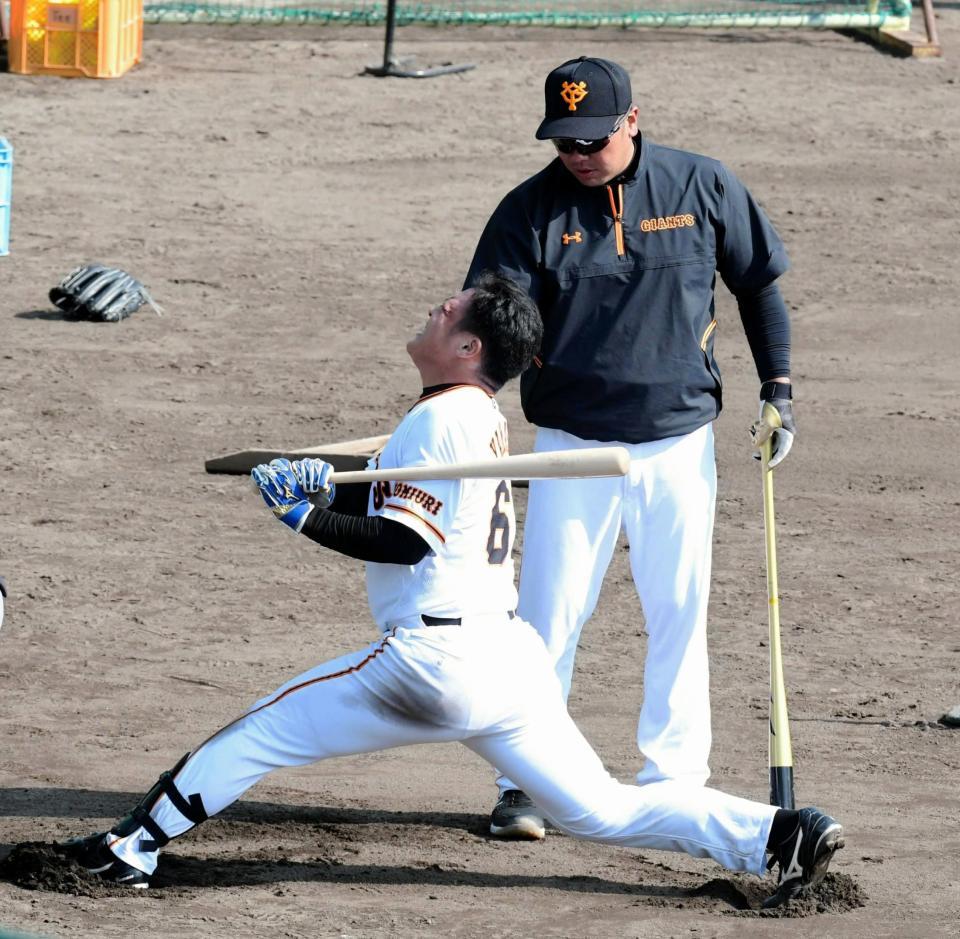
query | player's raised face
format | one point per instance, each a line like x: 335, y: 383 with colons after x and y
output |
x: 438, y: 343
x: 597, y: 169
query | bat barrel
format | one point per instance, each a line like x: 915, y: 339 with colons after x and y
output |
x: 557, y: 464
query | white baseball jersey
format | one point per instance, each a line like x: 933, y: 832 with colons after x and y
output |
x: 468, y: 523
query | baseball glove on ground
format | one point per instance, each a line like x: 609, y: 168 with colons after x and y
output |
x: 95, y: 292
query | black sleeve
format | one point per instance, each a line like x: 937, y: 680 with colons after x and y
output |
x: 509, y: 245
x: 351, y: 499
x: 767, y: 325
x: 366, y: 537
x: 750, y: 254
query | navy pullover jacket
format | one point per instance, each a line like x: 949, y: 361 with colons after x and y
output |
x: 624, y: 276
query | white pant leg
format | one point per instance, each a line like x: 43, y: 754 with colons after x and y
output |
x: 548, y: 757
x: 668, y: 518
x: 1, y: 609
x: 569, y: 536
x: 335, y: 709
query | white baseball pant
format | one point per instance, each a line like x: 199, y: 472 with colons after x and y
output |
x: 665, y: 506
x: 424, y: 684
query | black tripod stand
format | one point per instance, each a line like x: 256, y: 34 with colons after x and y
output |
x: 393, y: 67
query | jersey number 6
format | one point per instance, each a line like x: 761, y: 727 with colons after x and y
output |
x: 498, y: 544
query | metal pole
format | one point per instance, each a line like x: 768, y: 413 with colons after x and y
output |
x: 930, y: 22
x: 388, y: 62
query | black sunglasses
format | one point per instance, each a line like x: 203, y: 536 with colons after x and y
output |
x: 568, y: 145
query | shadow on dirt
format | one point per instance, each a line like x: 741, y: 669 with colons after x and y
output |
x: 38, y: 866
x: 320, y: 844
x: 93, y: 804
x: 52, y: 315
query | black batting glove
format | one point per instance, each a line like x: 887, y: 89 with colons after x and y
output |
x: 779, y: 394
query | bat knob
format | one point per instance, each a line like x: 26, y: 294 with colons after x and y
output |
x: 763, y: 429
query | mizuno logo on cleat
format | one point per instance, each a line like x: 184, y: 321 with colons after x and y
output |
x: 795, y: 868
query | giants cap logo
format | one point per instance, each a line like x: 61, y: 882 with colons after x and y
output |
x: 573, y: 93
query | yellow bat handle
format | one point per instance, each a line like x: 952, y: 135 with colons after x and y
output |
x: 781, y: 752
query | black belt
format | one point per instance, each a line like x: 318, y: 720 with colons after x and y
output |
x: 448, y: 620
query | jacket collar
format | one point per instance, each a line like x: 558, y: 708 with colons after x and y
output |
x: 630, y: 173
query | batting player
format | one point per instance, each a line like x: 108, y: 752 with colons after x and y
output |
x: 619, y: 241
x: 440, y: 584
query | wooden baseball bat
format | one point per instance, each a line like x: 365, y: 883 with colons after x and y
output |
x: 781, y: 752
x: 601, y: 461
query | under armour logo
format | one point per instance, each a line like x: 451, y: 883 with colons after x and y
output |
x: 573, y: 93
x: 576, y: 237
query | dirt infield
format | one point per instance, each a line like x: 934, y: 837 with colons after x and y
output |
x: 295, y: 219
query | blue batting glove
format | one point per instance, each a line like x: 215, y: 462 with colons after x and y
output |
x: 313, y: 475
x: 282, y: 492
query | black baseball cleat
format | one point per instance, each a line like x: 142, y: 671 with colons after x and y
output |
x: 804, y: 857
x: 515, y: 816
x: 93, y: 854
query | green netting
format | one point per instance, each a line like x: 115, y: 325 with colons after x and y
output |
x: 681, y: 13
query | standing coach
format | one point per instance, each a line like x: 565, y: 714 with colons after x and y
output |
x: 619, y: 241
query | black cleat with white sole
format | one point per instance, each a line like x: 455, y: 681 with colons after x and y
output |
x: 92, y: 854
x: 515, y: 816
x: 804, y: 857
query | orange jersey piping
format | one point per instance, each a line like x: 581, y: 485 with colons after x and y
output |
x: 443, y: 391
x: 419, y: 518
x: 708, y: 332
x: 306, y: 684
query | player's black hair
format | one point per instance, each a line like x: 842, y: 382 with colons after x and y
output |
x: 507, y: 322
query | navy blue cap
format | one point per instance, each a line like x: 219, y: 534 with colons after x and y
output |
x: 584, y: 99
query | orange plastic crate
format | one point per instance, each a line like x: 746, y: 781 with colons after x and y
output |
x: 85, y: 38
